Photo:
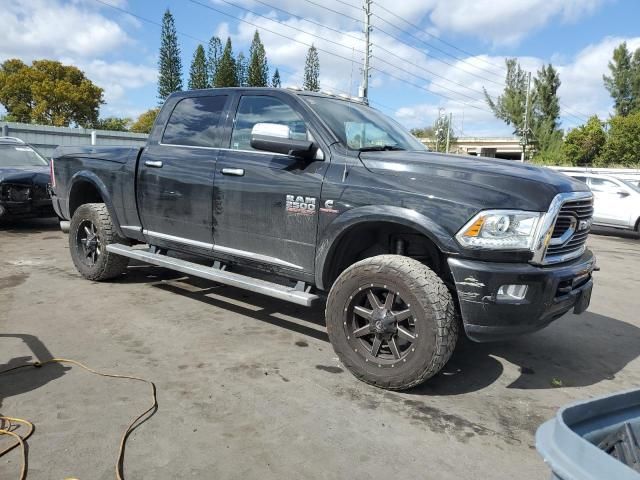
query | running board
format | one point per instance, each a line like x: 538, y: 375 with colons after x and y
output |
x: 290, y: 294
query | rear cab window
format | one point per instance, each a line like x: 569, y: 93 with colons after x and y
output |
x: 196, y: 122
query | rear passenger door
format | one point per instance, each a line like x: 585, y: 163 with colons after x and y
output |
x: 252, y: 218
x: 175, y: 176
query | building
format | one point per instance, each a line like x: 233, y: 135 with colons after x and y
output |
x: 508, y: 148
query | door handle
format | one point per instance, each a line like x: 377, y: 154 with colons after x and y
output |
x: 153, y: 163
x: 238, y: 172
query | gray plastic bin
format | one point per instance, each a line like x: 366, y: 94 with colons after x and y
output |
x: 569, y: 442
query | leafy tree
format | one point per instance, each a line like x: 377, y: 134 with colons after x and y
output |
x: 49, y: 93
x: 635, y: 83
x: 623, y: 78
x: 275, y: 81
x: 425, y: 132
x: 258, y: 70
x: 510, y: 106
x: 214, y: 53
x: 623, y: 142
x: 144, y: 123
x: 583, y: 144
x: 198, y: 74
x: 241, y: 70
x: 169, y: 63
x: 311, y: 79
x: 113, y: 123
x: 226, y: 72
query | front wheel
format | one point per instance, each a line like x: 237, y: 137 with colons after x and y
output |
x: 90, y: 232
x: 392, y: 321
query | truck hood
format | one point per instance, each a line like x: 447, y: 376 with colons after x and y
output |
x: 35, y: 175
x: 475, y: 181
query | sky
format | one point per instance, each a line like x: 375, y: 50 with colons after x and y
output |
x: 429, y: 57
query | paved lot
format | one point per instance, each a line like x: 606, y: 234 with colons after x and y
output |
x: 250, y: 388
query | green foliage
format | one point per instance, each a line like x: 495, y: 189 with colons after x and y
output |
x: 275, y: 81
x: 623, y: 142
x: 169, y: 63
x: 49, y: 93
x: 545, y: 110
x: 214, y: 54
x: 258, y: 70
x: 553, y: 153
x: 241, y: 70
x: 425, y: 132
x: 583, y: 144
x: 624, y: 82
x: 311, y: 80
x: 226, y: 72
x: 113, y: 123
x: 144, y: 123
x: 510, y: 106
x: 198, y: 74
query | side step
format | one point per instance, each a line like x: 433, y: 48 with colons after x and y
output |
x: 275, y: 290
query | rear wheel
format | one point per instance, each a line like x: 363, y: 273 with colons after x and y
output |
x: 90, y: 232
x: 392, y: 321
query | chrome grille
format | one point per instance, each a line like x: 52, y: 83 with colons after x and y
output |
x: 570, y: 231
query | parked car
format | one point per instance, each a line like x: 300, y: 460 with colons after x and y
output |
x: 328, y: 196
x: 616, y: 201
x: 24, y: 181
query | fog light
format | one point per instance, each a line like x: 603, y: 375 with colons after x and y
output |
x: 512, y: 292
x: 2, y: 210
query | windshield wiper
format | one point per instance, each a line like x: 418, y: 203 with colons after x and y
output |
x: 380, y: 148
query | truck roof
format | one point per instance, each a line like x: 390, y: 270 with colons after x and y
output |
x: 290, y: 90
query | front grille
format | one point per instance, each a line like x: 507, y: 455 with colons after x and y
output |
x: 571, y: 230
x: 15, y: 193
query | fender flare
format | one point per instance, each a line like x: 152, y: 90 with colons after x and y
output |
x: 376, y: 213
x: 92, y: 178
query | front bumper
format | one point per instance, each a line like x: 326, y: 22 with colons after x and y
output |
x: 552, y: 292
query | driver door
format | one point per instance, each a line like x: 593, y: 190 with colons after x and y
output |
x: 266, y: 204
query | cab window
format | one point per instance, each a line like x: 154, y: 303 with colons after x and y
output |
x: 598, y: 184
x: 262, y: 109
x: 196, y: 122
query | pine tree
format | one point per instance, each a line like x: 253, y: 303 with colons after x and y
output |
x: 241, y: 70
x: 545, y: 111
x: 226, y: 75
x: 198, y: 76
x: 624, y: 82
x: 214, y: 52
x: 169, y: 64
x: 275, y: 81
x: 258, y: 70
x: 510, y: 106
x: 311, y: 80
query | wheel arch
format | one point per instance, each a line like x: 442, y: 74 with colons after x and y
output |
x: 331, y: 257
x: 87, y: 187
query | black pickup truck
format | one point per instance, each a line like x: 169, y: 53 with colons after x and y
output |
x: 328, y: 196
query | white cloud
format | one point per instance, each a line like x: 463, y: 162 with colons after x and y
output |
x: 76, y: 33
x: 49, y: 28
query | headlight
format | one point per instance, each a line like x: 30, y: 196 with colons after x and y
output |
x: 501, y: 230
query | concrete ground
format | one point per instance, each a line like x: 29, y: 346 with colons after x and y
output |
x: 249, y: 387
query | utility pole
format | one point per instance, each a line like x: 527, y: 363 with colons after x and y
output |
x: 524, y: 140
x: 364, y: 86
x: 449, y: 130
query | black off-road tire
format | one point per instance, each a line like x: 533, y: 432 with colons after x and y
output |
x: 435, y: 318
x: 107, y: 265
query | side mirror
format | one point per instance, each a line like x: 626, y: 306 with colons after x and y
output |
x: 622, y: 193
x: 274, y: 137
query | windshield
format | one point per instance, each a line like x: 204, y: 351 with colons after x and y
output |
x: 20, y: 156
x: 359, y: 127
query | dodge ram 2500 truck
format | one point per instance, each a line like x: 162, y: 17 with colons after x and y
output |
x: 328, y: 196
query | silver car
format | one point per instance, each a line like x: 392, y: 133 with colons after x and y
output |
x: 616, y: 201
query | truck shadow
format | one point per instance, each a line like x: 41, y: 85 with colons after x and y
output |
x: 575, y: 351
x: 29, y: 225
x: 25, y: 380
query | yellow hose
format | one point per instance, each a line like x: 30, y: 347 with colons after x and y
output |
x: 7, y: 423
